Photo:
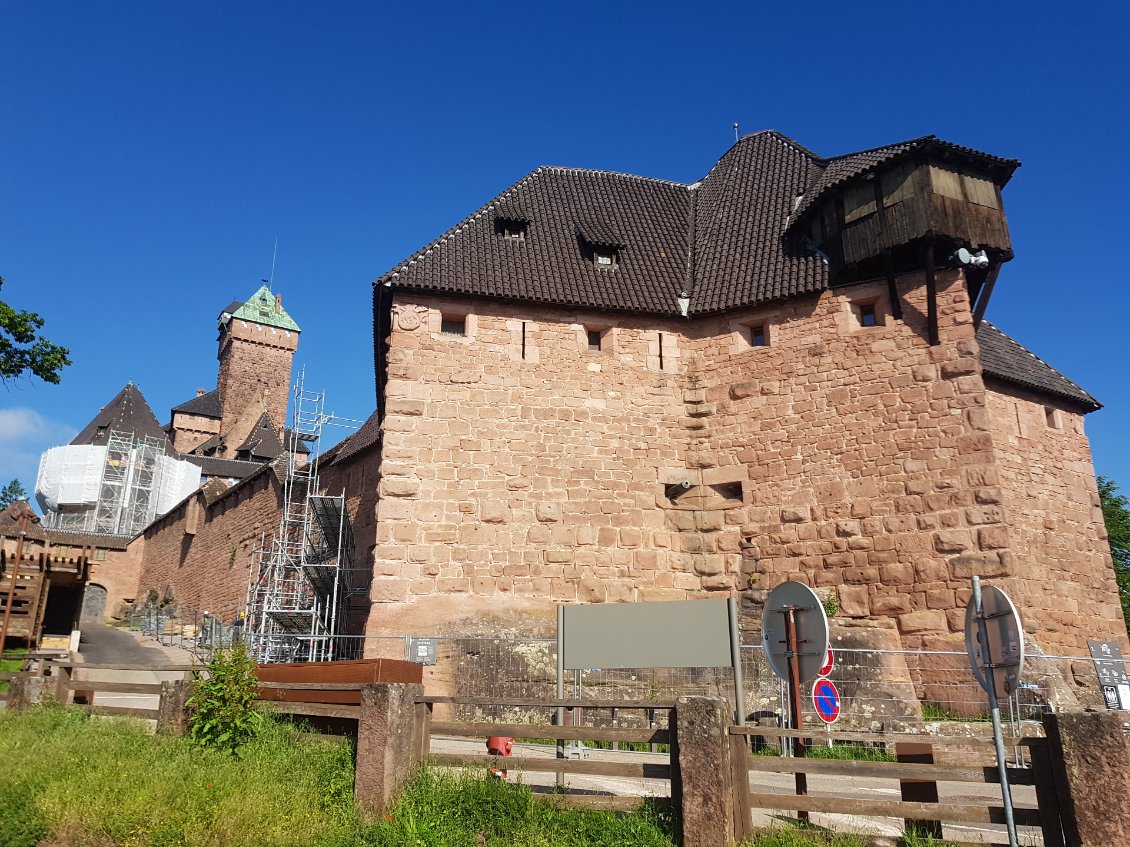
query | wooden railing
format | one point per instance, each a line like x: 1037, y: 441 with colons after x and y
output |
x: 1034, y: 809
x: 427, y: 729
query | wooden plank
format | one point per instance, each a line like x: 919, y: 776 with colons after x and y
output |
x: 947, y: 812
x: 867, y: 737
x: 603, y: 802
x: 122, y: 711
x: 547, y: 704
x: 318, y: 710
x: 649, y: 770
x: 352, y: 670
x: 93, y: 666
x: 565, y: 733
x: 6, y: 676
x: 115, y: 687
x: 313, y: 686
x: 987, y: 775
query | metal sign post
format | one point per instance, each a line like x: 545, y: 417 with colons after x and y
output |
x: 995, y: 642
x: 794, y: 632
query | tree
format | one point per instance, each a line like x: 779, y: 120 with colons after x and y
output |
x: 22, y: 349
x: 1116, y: 516
x: 12, y: 493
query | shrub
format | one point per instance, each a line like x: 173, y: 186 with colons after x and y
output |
x: 222, y: 709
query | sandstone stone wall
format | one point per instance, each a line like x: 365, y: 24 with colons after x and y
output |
x: 1066, y: 587
x: 190, y: 431
x: 201, y: 553
x: 254, y: 375
x: 520, y: 468
x: 117, y: 573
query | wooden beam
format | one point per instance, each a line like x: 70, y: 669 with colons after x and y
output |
x: 947, y: 812
x: 568, y: 733
x: 931, y: 294
x: 537, y: 764
x: 547, y: 704
x: 984, y: 294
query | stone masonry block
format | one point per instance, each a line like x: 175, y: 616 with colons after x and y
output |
x: 548, y: 512
x: 926, y: 621
x: 951, y: 541
x: 854, y: 602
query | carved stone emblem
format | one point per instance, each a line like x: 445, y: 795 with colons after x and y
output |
x: 409, y: 318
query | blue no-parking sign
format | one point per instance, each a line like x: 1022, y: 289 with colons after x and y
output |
x: 826, y: 699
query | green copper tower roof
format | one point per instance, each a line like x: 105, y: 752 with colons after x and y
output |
x: 264, y: 308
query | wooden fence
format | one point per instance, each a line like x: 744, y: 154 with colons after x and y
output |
x: 851, y: 787
x: 710, y: 774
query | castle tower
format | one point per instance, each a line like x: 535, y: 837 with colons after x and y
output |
x: 256, y: 346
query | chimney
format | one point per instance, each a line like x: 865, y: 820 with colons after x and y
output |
x: 278, y: 303
x: 200, y: 392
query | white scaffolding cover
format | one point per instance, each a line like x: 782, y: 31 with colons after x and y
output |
x: 178, y: 480
x: 70, y: 476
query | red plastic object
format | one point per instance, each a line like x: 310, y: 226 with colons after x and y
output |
x: 500, y: 745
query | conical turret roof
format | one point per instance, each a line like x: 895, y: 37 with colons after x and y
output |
x: 127, y: 412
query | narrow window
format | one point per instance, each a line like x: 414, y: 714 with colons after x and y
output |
x: 867, y: 316
x: 757, y: 336
x: 523, y: 339
x: 604, y: 259
x: 594, y: 340
x: 454, y: 325
x: 661, y: 351
x: 1051, y: 417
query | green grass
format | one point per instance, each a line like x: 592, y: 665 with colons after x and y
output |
x: 802, y: 836
x: 845, y: 752
x: 91, y: 782
x: 10, y: 662
x: 938, y: 712
x: 444, y: 809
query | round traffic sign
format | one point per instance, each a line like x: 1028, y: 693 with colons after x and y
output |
x: 826, y: 699
x: 1002, y: 659
x: 797, y: 600
x: 829, y: 663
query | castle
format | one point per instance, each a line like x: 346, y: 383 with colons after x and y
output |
x: 601, y: 387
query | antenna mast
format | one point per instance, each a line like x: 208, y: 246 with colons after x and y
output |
x: 736, y: 138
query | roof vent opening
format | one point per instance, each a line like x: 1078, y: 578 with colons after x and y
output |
x: 600, y: 244
x: 511, y: 228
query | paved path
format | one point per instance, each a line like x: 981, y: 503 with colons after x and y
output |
x: 108, y: 645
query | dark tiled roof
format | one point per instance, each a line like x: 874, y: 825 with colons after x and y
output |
x: 365, y: 437
x: 207, y: 447
x: 10, y: 522
x: 721, y: 239
x: 231, y: 468
x: 263, y: 441
x: 232, y: 307
x: 89, y: 539
x: 206, y: 405
x: 127, y: 412
x: 1005, y: 359
x: 741, y: 209
x: 547, y: 266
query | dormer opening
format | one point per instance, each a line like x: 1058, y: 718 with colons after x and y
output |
x: 600, y: 244
x: 511, y: 228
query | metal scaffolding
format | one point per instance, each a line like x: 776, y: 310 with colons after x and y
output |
x: 304, y: 576
x: 127, y: 490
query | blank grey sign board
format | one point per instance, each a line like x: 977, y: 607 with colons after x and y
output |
x: 675, y: 634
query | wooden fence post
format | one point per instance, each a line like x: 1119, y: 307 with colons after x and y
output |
x: 1091, y: 757
x: 388, y: 743
x: 918, y: 790
x: 171, y: 710
x: 62, y: 674
x: 706, y: 796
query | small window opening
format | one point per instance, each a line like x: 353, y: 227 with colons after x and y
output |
x: 867, y: 315
x: 594, y: 340
x: 523, y: 339
x: 757, y: 336
x: 661, y: 351
x: 100, y: 554
x: 454, y: 325
x: 604, y: 258
x: 511, y: 229
x: 1051, y: 417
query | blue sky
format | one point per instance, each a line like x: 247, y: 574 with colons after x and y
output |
x: 151, y: 153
